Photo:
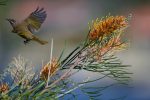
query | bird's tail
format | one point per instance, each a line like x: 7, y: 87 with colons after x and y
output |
x: 39, y: 40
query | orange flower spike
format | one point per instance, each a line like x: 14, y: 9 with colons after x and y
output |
x: 4, y: 87
x: 45, y: 70
x: 106, y: 26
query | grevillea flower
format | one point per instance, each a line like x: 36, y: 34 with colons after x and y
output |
x: 113, y: 44
x: 106, y: 26
x: 49, y: 69
x: 4, y: 87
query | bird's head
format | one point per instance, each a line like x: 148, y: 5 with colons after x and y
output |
x: 12, y: 22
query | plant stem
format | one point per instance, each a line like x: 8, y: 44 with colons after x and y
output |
x: 51, y: 54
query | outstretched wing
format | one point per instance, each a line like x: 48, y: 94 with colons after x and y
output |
x: 35, y: 19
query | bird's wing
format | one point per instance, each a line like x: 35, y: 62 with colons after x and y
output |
x: 35, y: 19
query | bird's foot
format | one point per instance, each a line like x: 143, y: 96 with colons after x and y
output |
x: 26, y: 41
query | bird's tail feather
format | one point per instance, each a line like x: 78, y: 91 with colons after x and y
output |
x: 39, y: 40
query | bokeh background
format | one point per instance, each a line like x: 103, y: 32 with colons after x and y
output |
x: 67, y: 22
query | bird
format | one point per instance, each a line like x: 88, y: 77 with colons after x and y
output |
x: 28, y: 26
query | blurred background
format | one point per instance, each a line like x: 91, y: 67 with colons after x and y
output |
x: 67, y: 21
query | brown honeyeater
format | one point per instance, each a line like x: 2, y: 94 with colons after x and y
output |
x: 26, y: 28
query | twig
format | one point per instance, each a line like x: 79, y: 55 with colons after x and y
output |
x: 51, y: 54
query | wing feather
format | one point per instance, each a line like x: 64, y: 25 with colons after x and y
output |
x: 36, y: 18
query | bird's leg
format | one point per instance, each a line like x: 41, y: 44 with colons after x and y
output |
x: 26, y: 41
